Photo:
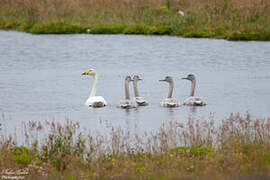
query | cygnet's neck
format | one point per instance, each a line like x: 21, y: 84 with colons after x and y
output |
x: 127, y: 89
x: 136, y: 92
x: 170, y: 89
x: 193, y: 85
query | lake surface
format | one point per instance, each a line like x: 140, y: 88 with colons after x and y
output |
x: 40, y: 78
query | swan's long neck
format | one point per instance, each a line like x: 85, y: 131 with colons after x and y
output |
x: 170, y: 89
x: 136, y: 92
x: 192, y: 90
x: 94, y: 87
x: 127, y: 89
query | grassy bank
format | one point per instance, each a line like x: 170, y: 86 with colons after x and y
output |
x: 237, y: 148
x: 227, y: 19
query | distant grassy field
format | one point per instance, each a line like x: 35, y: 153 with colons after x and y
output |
x: 226, y: 19
x: 237, y: 148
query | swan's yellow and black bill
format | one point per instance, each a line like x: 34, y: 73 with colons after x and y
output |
x: 184, y: 78
x: 86, y: 72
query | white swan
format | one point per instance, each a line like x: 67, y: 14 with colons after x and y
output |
x: 140, y: 100
x: 93, y: 100
x: 127, y: 103
x: 169, y: 102
x: 191, y: 100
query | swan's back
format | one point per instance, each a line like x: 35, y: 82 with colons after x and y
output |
x: 169, y: 102
x: 96, y: 101
x: 128, y: 104
x: 141, y: 101
x: 194, y: 101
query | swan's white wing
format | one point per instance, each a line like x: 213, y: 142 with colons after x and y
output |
x: 172, y: 104
x: 194, y: 101
x: 96, y: 101
x: 127, y: 104
x: 169, y: 102
x: 141, y: 101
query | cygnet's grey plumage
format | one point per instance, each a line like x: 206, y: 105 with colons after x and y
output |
x: 128, y: 103
x: 140, y: 100
x: 191, y: 100
x: 169, y: 101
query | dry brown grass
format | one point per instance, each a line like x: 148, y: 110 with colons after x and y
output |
x: 203, y: 18
x: 237, y: 148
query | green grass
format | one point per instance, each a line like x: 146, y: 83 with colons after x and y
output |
x: 56, y: 28
x: 21, y: 155
x: 226, y: 19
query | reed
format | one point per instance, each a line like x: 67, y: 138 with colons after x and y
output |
x: 229, y: 19
x: 238, y: 147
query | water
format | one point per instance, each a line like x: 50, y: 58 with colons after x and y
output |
x: 40, y: 78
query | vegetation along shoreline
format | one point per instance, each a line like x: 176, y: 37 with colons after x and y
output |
x: 226, y: 19
x: 236, y: 148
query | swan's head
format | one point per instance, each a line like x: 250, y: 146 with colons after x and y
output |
x: 190, y: 77
x: 128, y: 79
x: 90, y: 72
x: 136, y: 78
x: 167, y: 79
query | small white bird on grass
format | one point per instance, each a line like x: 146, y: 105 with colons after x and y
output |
x: 181, y: 13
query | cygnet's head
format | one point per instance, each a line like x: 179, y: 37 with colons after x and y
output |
x: 128, y: 79
x: 167, y: 79
x: 190, y: 77
x: 136, y: 78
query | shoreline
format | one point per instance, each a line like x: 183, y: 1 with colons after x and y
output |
x: 227, y: 19
x: 110, y: 29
